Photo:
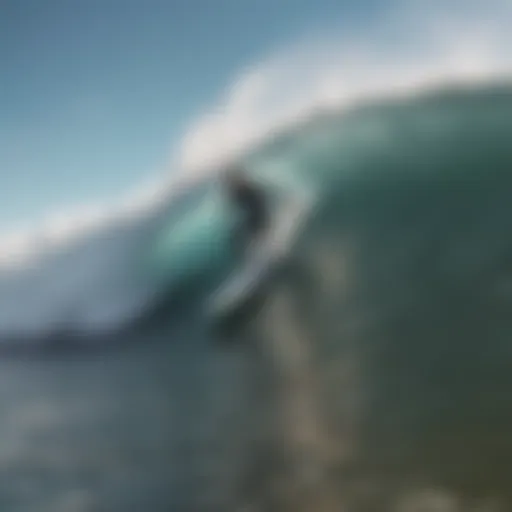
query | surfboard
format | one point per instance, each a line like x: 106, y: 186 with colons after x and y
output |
x: 265, y: 258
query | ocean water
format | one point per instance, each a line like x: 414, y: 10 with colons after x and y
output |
x: 374, y: 377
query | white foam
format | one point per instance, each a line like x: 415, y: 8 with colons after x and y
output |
x: 417, y: 46
x: 24, y: 245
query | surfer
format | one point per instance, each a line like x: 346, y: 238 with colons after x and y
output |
x: 250, y: 200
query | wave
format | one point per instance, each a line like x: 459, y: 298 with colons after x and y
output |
x: 391, y: 157
x: 360, y: 120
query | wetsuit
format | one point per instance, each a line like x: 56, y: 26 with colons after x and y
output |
x: 251, y: 202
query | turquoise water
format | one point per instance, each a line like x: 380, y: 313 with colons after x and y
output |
x: 355, y: 163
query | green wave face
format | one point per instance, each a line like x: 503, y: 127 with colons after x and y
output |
x: 378, y: 162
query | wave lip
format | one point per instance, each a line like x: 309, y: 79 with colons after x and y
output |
x: 414, y: 48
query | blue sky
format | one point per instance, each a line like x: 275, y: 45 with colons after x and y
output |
x: 94, y: 93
